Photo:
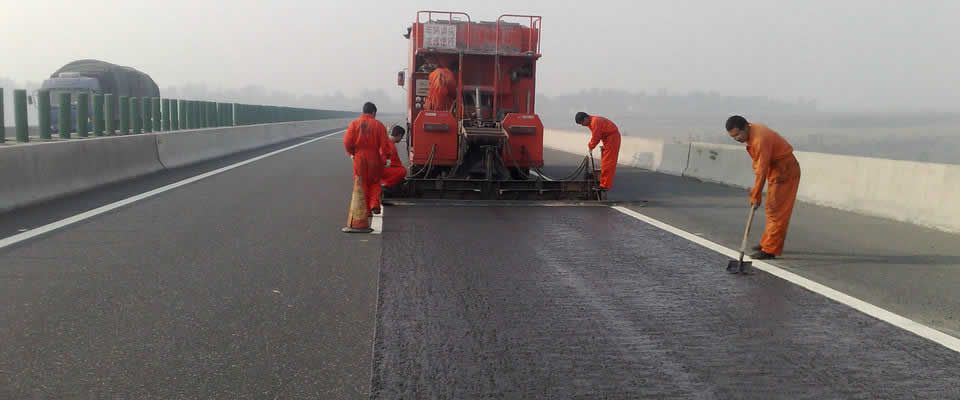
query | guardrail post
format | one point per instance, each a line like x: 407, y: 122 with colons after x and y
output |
x: 109, y: 113
x: 64, y: 116
x: 174, y: 115
x: 43, y: 111
x: 147, y: 115
x: 98, y: 114
x: 124, y: 115
x: 135, y: 115
x: 182, y: 114
x: 155, y: 104
x: 20, y: 115
x: 3, y: 125
x: 83, y: 113
x: 165, y: 115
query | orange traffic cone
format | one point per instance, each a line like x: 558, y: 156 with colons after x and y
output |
x: 358, y: 217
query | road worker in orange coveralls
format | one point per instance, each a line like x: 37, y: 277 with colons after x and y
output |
x: 366, y: 142
x: 602, y: 130
x: 394, y: 172
x: 443, y: 88
x: 774, y: 162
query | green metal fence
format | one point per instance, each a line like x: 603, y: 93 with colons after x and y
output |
x: 142, y: 115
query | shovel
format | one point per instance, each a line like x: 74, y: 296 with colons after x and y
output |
x: 740, y: 266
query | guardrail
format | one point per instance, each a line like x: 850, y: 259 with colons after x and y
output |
x: 142, y: 115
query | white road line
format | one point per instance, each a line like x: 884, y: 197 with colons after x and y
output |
x: 9, y: 241
x: 899, y: 321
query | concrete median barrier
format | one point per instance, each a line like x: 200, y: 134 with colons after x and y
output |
x: 37, y: 172
x: 41, y: 171
x: 187, y: 147
x: 727, y: 164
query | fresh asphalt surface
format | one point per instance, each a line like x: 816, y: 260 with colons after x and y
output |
x: 241, y: 286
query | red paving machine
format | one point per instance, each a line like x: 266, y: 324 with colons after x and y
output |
x: 489, y: 143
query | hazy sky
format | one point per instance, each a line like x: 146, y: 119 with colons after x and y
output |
x: 850, y: 54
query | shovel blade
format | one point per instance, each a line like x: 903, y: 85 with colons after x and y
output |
x: 739, y: 267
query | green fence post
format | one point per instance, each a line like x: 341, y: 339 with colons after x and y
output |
x: 182, y: 114
x: 83, y: 113
x: 20, y: 115
x: 136, y: 118
x: 147, y: 114
x: 174, y: 118
x: 124, y: 115
x: 98, y: 114
x: 63, y: 115
x: 3, y: 125
x: 155, y: 103
x: 109, y: 113
x: 165, y: 115
x: 43, y: 111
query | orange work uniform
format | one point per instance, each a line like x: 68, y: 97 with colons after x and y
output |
x: 395, y: 173
x: 773, y: 159
x: 366, y: 140
x: 443, y: 87
x: 602, y: 129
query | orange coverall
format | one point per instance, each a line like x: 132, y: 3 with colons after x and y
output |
x: 773, y: 159
x: 395, y: 173
x: 443, y: 87
x: 366, y: 140
x: 601, y: 129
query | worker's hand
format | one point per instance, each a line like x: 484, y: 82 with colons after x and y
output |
x: 755, y: 204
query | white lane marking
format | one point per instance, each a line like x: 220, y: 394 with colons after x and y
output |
x: 540, y: 175
x: 894, y: 319
x: 9, y: 241
x: 377, y: 222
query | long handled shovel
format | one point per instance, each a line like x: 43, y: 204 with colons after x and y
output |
x: 740, y: 266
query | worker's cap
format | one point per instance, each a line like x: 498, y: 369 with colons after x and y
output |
x: 580, y: 117
x: 397, y: 130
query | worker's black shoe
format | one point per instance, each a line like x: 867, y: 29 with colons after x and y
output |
x: 762, y: 255
x: 756, y: 248
x: 375, y: 211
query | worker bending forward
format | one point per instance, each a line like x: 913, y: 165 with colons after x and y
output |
x: 394, y: 172
x: 366, y: 142
x: 442, y: 90
x: 603, y: 130
x: 773, y: 162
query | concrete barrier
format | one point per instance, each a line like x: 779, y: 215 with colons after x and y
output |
x: 925, y: 194
x: 41, y: 171
x: 182, y: 148
x: 37, y: 172
x: 727, y: 164
x: 634, y: 152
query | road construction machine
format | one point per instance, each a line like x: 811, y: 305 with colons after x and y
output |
x: 487, y: 144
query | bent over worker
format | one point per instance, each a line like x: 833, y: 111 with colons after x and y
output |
x: 603, y: 130
x: 442, y: 89
x: 394, y: 172
x: 773, y: 162
x: 366, y: 142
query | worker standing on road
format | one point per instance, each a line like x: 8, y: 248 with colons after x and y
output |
x: 394, y: 172
x: 773, y: 162
x: 366, y: 142
x: 443, y: 88
x: 602, y: 129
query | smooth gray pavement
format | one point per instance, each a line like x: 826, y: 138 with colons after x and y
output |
x: 239, y: 286
x: 585, y: 302
x: 907, y: 269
